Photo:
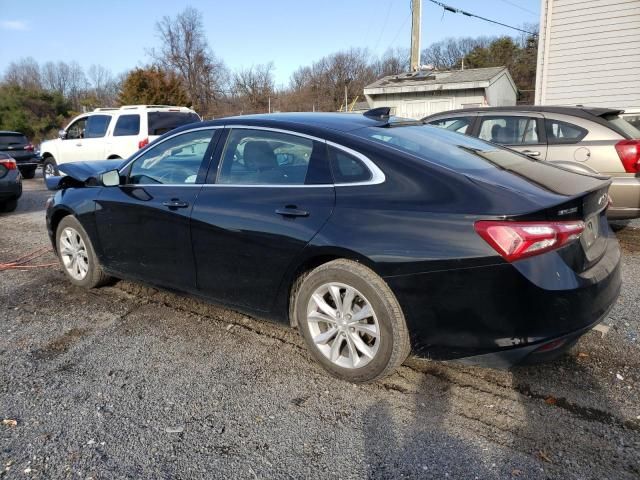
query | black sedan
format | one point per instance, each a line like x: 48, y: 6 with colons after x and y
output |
x: 373, y: 237
x: 10, y: 183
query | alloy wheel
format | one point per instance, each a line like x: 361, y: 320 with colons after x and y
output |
x: 343, y: 325
x: 49, y: 170
x: 73, y: 253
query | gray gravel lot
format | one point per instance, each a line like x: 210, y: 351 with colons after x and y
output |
x: 131, y: 382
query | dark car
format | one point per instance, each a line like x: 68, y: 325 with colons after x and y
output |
x: 372, y: 237
x: 22, y: 151
x: 10, y: 183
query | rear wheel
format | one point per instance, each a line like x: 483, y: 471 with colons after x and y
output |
x: 50, y: 168
x: 28, y: 173
x: 77, y: 255
x: 9, y: 205
x: 351, y: 321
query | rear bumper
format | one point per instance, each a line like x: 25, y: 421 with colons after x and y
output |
x: 506, y: 310
x: 10, y: 185
x: 625, y: 193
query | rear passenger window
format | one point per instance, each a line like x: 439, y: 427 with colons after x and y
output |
x: 260, y: 157
x: 510, y: 130
x: 455, y: 124
x: 347, y: 169
x: 562, y: 132
x: 127, y: 125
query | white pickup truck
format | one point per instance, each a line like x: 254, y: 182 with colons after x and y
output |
x: 111, y: 133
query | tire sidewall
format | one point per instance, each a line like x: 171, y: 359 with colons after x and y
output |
x: 50, y: 161
x: 92, y: 276
x: 384, y: 314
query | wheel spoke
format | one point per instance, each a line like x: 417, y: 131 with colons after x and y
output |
x: 66, y: 250
x: 335, y: 348
x: 324, y: 337
x: 367, y: 328
x: 347, y: 301
x: 364, y: 312
x: 353, y: 352
x: 321, y: 317
x: 335, y: 295
x: 360, y: 345
x: 324, y: 306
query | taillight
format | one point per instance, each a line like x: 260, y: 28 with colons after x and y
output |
x: 516, y: 240
x: 143, y: 143
x: 9, y: 164
x: 29, y: 147
x: 629, y: 153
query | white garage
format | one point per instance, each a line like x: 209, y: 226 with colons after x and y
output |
x: 418, y: 94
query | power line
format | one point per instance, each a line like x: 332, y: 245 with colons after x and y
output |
x: 384, y: 26
x: 449, y: 8
x: 514, y: 4
x: 400, y: 29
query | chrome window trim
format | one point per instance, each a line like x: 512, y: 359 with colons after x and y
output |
x: 377, y: 175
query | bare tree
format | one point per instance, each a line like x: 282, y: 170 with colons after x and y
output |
x: 255, y: 85
x: 56, y: 77
x: 24, y: 73
x: 185, y: 50
x: 392, y: 62
x: 104, y: 87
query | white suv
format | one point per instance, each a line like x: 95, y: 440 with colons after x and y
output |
x: 109, y: 133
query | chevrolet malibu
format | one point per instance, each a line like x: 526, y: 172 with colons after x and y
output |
x: 372, y: 236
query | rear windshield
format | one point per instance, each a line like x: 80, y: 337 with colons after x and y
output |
x: 11, y: 140
x: 621, y: 124
x: 161, y: 122
x: 443, y: 147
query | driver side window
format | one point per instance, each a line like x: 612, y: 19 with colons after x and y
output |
x: 175, y: 161
x: 76, y: 129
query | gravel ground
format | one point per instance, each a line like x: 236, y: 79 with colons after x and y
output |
x: 131, y: 382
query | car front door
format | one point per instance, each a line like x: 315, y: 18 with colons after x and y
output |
x: 93, y: 144
x: 270, y: 195
x: 524, y: 133
x: 71, y: 145
x: 143, y: 224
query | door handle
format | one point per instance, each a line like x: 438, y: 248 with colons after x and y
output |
x: 175, y: 203
x: 531, y: 153
x: 292, y: 211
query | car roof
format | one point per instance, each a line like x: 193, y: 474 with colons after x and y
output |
x: 593, y: 114
x: 10, y: 132
x: 341, y: 122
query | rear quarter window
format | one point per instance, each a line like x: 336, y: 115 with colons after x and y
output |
x: 163, y: 122
x: 559, y: 132
x: 347, y: 169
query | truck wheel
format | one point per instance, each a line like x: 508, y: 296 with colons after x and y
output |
x: 50, y: 168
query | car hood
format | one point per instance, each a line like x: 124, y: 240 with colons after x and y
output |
x: 80, y: 174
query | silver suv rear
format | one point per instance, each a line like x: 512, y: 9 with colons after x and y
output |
x: 589, y: 140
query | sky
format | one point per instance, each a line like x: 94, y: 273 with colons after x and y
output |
x: 292, y: 33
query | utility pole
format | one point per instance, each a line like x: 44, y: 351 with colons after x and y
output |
x: 269, y: 103
x: 416, y: 17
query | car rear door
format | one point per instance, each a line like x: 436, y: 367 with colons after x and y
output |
x: 523, y: 132
x: 269, y: 195
x: 143, y: 224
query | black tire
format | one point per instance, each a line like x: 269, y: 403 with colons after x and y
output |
x: 394, y: 345
x: 95, y: 276
x: 28, y: 173
x: 49, y: 164
x: 9, y: 205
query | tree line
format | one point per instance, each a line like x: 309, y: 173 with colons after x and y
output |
x: 182, y: 69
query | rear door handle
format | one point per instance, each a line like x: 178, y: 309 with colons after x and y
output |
x: 292, y: 211
x: 175, y: 203
x: 531, y: 153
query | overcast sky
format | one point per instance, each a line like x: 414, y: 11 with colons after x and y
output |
x: 291, y: 33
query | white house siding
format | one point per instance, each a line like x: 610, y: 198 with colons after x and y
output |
x: 500, y: 93
x: 589, y: 53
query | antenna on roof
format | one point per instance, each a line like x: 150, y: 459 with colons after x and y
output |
x: 381, y: 113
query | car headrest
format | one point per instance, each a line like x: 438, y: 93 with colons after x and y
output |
x: 258, y: 155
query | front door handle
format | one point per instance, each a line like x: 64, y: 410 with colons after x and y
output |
x: 531, y: 153
x: 175, y: 203
x: 292, y: 211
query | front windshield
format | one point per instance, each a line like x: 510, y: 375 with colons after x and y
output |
x: 443, y: 147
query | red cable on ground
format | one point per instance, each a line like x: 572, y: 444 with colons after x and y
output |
x: 19, y: 263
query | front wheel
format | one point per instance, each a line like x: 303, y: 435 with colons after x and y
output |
x: 77, y: 255
x: 9, y: 205
x: 351, y: 321
x: 50, y: 168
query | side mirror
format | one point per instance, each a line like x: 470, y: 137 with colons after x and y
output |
x: 62, y: 134
x: 110, y: 178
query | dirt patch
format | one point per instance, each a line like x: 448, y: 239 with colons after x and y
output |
x: 61, y: 344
